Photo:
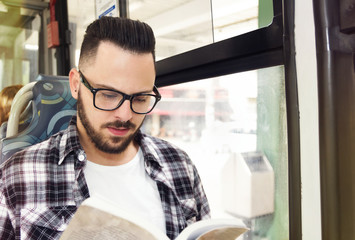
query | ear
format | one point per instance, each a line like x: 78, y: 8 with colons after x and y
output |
x: 74, y: 81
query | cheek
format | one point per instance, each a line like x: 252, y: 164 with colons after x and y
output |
x: 90, y: 109
x: 99, y: 117
x: 138, y: 119
x: 93, y: 115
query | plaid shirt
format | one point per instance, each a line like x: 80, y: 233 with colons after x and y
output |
x: 42, y: 186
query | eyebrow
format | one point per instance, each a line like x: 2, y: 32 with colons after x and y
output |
x: 103, y: 86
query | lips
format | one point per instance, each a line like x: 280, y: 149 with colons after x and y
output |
x: 118, y: 131
x: 119, y: 128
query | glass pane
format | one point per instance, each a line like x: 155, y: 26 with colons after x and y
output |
x: 234, y: 129
x: 19, y: 39
x: 183, y: 25
x: 80, y: 13
x: 234, y: 17
x: 179, y: 25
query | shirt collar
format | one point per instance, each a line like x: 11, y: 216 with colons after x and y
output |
x: 69, y: 142
x: 149, y: 148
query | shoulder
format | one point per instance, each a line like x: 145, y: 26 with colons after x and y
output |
x: 173, y: 161
x: 33, y: 158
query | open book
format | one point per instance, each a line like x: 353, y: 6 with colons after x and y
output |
x: 97, y: 218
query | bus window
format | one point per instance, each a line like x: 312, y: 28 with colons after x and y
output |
x: 19, y: 40
x: 80, y: 13
x: 183, y: 25
x: 216, y: 119
x: 180, y: 25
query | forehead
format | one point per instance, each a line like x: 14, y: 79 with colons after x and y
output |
x: 121, y: 69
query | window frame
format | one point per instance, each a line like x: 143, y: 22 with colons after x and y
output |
x: 265, y: 47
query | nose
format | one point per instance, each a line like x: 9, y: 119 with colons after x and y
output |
x: 124, y: 112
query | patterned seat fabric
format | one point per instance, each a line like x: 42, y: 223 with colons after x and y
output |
x: 3, y: 130
x: 53, y: 106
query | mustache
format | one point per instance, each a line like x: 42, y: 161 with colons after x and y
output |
x: 119, y: 124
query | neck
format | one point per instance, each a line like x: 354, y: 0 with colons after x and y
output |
x: 108, y: 159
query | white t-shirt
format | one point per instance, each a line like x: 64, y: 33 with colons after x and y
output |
x: 129, y: 186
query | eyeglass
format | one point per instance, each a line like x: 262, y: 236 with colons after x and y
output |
x: 109, y: 99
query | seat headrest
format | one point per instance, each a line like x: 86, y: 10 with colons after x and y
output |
x: 53, y: 106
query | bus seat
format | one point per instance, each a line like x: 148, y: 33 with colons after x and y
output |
x: 24, y: 121
x: 3, y: 128
x: 22, y: 97
x: 52, y: 108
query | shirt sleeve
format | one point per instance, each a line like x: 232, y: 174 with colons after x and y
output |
x: 203, y: 207
x: 6, y: 229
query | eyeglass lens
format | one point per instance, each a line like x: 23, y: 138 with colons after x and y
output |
x: 108, y: 100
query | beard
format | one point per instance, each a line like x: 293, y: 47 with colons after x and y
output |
x: 113, y: 144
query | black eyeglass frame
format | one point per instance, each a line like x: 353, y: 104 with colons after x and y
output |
x: 125, y: 96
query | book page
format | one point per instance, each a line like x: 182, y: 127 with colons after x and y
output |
x: 108, y: 222
x: 90, y: 223
x: 226, y: 229
x: 222, y: 234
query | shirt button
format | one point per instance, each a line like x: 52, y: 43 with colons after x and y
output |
x: 81, y: 157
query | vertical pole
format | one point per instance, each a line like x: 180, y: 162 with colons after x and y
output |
x: 123, y: 7
x: 62, y: 52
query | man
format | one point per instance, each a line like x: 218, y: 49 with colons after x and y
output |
x: 103, y: 150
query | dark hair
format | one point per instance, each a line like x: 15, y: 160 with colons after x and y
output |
x: 131, y: 35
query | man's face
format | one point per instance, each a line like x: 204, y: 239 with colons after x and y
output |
x: 116, y: 69
x: 112, y: 144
